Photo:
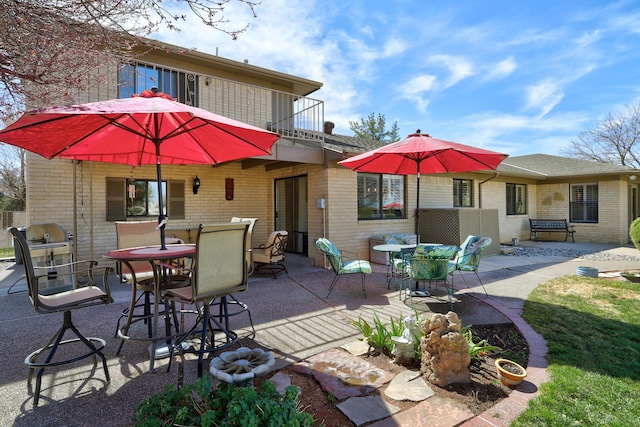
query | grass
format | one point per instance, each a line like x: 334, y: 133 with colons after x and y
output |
x: 6, y: 253
x: 592, y: 328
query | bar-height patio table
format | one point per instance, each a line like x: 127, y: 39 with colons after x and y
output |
x: 153, y: 254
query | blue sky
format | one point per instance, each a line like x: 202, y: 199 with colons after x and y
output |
x: 517, y: 77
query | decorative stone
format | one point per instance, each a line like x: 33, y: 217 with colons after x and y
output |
x: 241, y: 366
x: 445, y: 352
x: 408, y: 385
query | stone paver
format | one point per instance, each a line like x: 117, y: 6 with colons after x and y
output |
x: 408, y: 385
x: 343, y: 374
x: 362, y: 410
x: 433, y: 412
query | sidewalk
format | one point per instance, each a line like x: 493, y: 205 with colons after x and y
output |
x: 291, y: 317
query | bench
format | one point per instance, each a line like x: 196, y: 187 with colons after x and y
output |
x: 550, y: 226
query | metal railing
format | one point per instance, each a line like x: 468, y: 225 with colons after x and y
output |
x: 287, y: 114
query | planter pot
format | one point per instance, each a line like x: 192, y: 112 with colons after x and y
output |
x: 587, y: 272
x: 631, y: 275
x: 509, y: 372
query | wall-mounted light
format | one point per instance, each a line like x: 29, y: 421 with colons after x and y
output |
x: 633, y: 177
x: 196, y: 184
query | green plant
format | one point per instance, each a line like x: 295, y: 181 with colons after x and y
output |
x: 379, y: 337
x: 477, y: 350
x: 228, y: 405
x: 634, y: 233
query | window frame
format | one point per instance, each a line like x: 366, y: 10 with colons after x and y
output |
x: 378, y: 190
x: 181, y: 85
x: 458, y: 193
x: 583, y: 207
x: 512, y: 196
x: 116, y: 199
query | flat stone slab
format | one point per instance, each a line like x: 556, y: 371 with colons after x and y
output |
x: 409, y: 385
x: 362, y: 410
x: 343, y: 374
x: 357, y: 348
x: 433, y: 412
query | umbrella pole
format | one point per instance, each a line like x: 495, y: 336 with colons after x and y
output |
x: 418, y: 208
x: 161, y: 216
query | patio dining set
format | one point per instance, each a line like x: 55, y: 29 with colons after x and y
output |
x: 204, y: 273
x: 411, y: 262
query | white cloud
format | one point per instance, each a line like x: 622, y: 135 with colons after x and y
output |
x: 415, y: 90
x: 459, y: 67
x: 502, y: 69
x: 543, y: 96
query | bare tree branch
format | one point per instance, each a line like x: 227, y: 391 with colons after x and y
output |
x: 49, y: 47
x: 615, y: 139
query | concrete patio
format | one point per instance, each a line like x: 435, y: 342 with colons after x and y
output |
x: 291, y: 317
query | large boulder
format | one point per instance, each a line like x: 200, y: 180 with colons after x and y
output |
x: 445, y: 352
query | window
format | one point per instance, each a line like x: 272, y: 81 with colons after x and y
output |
x: 583, y: 206
x: 142, y: 198
x: 381, y: 196
x: 139, y: 198
x: 516, y: 199
x: 462, y: 192
x: 134, y: 78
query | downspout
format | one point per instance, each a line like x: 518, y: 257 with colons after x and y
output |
x: 480, y: 188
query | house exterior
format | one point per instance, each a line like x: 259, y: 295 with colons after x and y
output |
x: 300, y: 187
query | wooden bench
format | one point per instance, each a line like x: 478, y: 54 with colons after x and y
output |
x: 551, y: 226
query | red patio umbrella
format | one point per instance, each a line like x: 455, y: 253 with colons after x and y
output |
x: 142, y: 130
x: 420, y: 153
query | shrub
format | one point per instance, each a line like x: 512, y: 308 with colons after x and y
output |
x: 228, y: 405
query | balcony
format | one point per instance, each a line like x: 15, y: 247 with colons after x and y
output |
x: 296, y: 117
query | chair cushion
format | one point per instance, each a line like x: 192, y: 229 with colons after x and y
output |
x: 435, y: 251
x: 68, y: 299
x: 428, y: 269
x: 356, y: 266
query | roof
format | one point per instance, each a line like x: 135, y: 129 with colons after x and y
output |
x: 545, y: 166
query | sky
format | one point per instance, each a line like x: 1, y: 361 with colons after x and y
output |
x: 518, y: 77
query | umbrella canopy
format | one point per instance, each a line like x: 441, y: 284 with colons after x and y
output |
x: 420, y: 153
x: 149, y: 129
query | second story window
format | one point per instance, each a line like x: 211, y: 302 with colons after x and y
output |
x: 136, y: 77
x: 516, y: 199
x: 381, y: 196
x: 462, y: 192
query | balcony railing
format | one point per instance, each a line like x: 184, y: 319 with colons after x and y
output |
x: 292, y: 116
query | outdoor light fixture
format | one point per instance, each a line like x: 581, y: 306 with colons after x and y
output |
x: 633, y: 177
x: 196, y: 184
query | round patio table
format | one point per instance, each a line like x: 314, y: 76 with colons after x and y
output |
x: 153, y: 254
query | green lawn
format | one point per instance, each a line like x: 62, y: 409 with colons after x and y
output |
x: 592, y: 328
x: 6, y: 253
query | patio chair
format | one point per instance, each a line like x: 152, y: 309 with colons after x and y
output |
x: 468, y: 257
x: 269, y: 257
x: 429, y: 263
x: 139, y: 274
x: 249, y: 245
x: 218, y: 271
x: 397, y: 266
x: 341, y: 265
x: 82, y: 295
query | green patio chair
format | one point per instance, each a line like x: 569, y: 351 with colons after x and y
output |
x: 430, y: 263
x: 468, y: 257
x: 341, y: 265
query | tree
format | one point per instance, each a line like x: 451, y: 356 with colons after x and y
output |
x: 613, y: 140
x: 13, y: 194
x: 375, y: 128
x: 48, y: 48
